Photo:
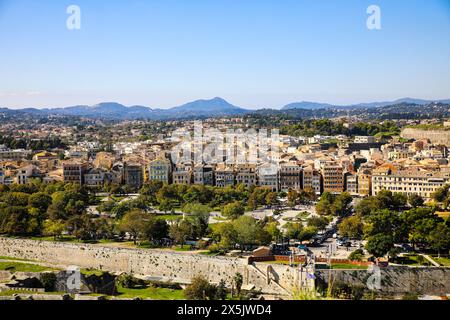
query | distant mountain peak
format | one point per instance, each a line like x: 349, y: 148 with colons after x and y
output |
x: 206, y: 108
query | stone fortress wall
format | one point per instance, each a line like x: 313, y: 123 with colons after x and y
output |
x: 157, y: 264
x: 182, y: 267
x: 395, y: 280
x: 435, y: 136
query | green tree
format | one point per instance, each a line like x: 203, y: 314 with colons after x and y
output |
x: 368, y: 205
x: 323, y: 207
x: 379, y: 244
x: 14, y: 220
x: 54, y: 228
x: 40, y: 201
x: 356, y: 255
x: 352, y: 227
x: 307, y: 233
x: 48, y: 281
x: 180, y: 231
x: 439, y: 238
x: 342, y: 204
x: 419, y: 223
x: 156, y: 229
x: 320, y: 223
x: 271, y: 199
x: 134, y: 223
x: 221, y: 292
x: 18, y: 199
x: 150, y: 190
x: 293, y: 230
x: 250, y: 232
x: 200, y: 289
x: 199, y: 217
x: 238, y: 281
x: 442, y: 195
x: 293, y: 198
x: 165, y: 205
x: 233, y: 210
x: 415, y: 200
x: 225, y: 235
x: 273, y: 230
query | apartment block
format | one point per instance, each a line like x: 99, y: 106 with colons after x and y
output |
x: 409, y: 181
x: 268, y: 176
x: 94, y: 178
x: 311, y: 180
x: 225, y: 176
x: 133, y: 175
x: 290, y: 176
x: 246, y: 174
x: 351, y: 183
x: 73, y: 171
x: 160, y: 170
x: 204, y: 175
x: 333, y: 177
x: 183, y: 174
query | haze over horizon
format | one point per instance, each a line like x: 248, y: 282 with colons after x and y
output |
x: 254, y: 54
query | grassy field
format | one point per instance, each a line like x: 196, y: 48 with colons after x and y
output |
x: 347, y: 266
x: 23, y: 267
x: 412, y: 260
x: 12, y: 292
x: 151, y: 293
x: 443, y: 261
x: 170, y: 217
x: 88, y: 272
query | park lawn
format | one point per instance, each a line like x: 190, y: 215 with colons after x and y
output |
x: 151, y: 293
x: 12, y: 292
x: 411, y: 260
x: 347, y: 266
x: 182, y: 248
x: 303, y: 215
x: 170, y: 217
x: 118, y: 198
x: 89, y: 272
x: 23, y: 267
x: 443, y: 261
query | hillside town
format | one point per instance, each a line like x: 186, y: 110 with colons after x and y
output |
x: 360, y: 165
x: 329, y: 199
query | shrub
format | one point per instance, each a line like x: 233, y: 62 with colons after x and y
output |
x: 200, y: 289
x: 129, y: 282
x: 410, y: 296
x: 48, y: 281
x: 356, y: 255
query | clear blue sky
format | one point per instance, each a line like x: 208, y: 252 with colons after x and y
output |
x: 254, y: 53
